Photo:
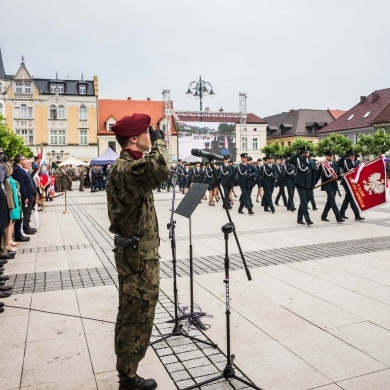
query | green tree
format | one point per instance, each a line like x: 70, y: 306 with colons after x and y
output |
x: 298, y: 144
x: 274, y: 149
x: 338, y: 143
x: 226, y: 128
x: 11, y: 143
x: 377, y: 144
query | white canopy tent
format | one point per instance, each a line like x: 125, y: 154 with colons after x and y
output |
x: 74, y: 162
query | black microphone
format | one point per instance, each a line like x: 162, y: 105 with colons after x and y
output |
x: 210, y: 156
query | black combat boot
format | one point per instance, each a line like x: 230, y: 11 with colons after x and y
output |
x: 145, y: 384
x: 126, y: 383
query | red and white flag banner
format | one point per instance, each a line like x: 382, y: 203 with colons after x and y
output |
x: 368, y: 184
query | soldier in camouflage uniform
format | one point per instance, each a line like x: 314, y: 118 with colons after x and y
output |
x: 132, y: 178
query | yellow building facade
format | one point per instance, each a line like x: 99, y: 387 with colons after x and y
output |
x: 58, y: 117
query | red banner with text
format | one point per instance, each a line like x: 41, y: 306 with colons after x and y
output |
x: 368, y: 184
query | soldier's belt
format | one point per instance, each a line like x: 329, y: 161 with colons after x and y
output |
x: 134, y: 243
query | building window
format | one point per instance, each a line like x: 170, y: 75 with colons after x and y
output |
x: 83, y: 137
x: 289, y: 143
x: 27, y: 87
x: 18, y: 88
x: 53, y: 88
x: 83, y: 113
x: 110, y: 126
x: 27, y: 135
x: 53, y: 112
x: 244, y: 143
x: 1, y: 108
x: 82, y: 89
x: 357, y: 136
x: 1, y: 87
x: 56, y: 88
x: 23, y: 111
x: 57, y: 137
x: 255, y: 146
x: 366, y: 114
x: 60, y: 88
x: 254, y: 129
x: 61, y: 112
x: 349, y: 118
x: 112, y: 145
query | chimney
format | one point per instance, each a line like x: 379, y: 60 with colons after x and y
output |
x: 129, y: 98
x: 207, y: 109
x: 148, y: 99
x: 375, y: 96
x: 362, y: 99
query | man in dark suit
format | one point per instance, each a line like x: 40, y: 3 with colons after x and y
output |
x: 20, y: 174
x: 244, y: 178
x: 268, y: 174
x: 328, y: 171
x: 304, y: 182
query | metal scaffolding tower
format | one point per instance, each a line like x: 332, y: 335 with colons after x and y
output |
x: 168, y: 112
x: 243, y: 130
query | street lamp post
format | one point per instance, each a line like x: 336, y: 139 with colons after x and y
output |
x: 57, y: 155
x: 199, y: 89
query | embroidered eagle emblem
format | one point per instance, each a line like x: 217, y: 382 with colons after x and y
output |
x: 374, y: 184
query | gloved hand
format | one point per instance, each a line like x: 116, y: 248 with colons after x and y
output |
x: 155, y: 134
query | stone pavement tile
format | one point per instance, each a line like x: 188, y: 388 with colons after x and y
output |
x: 312, y: 309
x: 101, y: 351
x: 258, y: 277
x: 19, y: 268
x: 62, y: 301
x: 248, y: 242
x: 272, y: 366
x: 23, y: 257
x: 333, y: 386
x: 359, y: 305
x: 83, y: 258
x: 313, y: 268
x: 18, y: 300
x: 11, y: 366
x: 331, y: 356
x: 81, y: 384
x: 380, y: 294
x: 13, y: 328
x: 384, y: 267
x: 368, y: 338
x: 303, y: 281
x: 383, y: 322
x: 51, y: 261
x: 372, y: 259
x: 43, y: 326
x: 288, y: 238
x: 62, y: 359
x: 349, y: 281
x: 374, y: 381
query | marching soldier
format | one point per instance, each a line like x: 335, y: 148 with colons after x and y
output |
x: 281, y: 182
x: 258, y: 166
x: 210, y: 180
x: 328, y: 171
x: 290, y: 177
x: 244, y: 178
x: 226, y: 173
x: 346, y: 164
x: 81, y: 177
x: 304, y: 182
x: 268, y: 176
x: 185, y: 178
x: 197, y: 173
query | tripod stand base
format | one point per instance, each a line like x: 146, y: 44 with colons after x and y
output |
x: 178, y: 331
x: 228, y: 373
x: 194, y: 318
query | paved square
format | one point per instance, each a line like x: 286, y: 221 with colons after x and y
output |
x: 316, y: 314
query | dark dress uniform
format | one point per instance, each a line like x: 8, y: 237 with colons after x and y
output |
x: 304, y: 183
x: 346, y: 165
x: 209, y: 178
x: 331, y: 189
x: 244, y: 180
x: 268, y: 175
x: 281, y: 183
x: 290, y: 177
x: 197, y: 175
x: 226, y: 173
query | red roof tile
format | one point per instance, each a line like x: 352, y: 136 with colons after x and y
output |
x: 363, y: 114
x: 119, y: 108
x: 336, y: 113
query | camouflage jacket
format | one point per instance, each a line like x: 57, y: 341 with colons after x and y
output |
x: 129, y: 192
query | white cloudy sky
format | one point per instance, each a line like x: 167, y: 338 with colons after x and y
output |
x: 283, y: 53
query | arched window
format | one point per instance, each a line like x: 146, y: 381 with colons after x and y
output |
x: 23, y: 111
x: 83, y: 113
x: 61, y: 112
x: 53, y: 112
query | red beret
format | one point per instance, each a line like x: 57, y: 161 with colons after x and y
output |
x: 130, y: 126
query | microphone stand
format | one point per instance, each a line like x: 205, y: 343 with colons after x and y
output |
x: 178, y: 327
x: 228, y: 372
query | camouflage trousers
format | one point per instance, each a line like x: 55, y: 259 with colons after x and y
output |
x: 138, y: 295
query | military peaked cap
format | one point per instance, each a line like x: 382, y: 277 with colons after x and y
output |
x: 305, y: 149
x: 328, y: 153
x: 349, y: 153
x: 244, y: 155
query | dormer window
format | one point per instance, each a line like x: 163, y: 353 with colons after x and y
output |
x: 82, y: 89
x: 56, y: 88
x: 109, y: 123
